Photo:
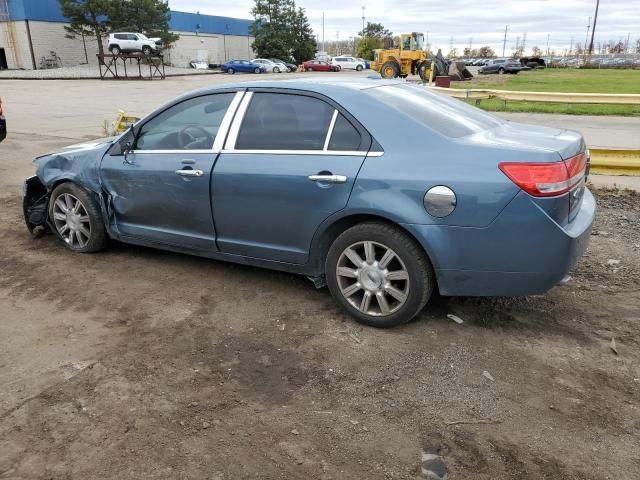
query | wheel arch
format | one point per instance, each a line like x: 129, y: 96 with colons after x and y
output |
x: 333, y: 227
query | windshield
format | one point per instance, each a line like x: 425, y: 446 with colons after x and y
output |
x: 419, y: 41
x: 448, y: 116
x: 142, y: 36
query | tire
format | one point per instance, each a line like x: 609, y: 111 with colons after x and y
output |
x: 232, y: 71
x: 115, y: 50
x: 256, y: 70
x: 83, y: 236
x: 146, y: 50
x: 501, y: 71
x: 359, y: 68
x: 276, y: 70
x: 408, y: 261
x: 389, y: 70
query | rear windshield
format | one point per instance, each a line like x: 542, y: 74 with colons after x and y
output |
x: 448, y: 116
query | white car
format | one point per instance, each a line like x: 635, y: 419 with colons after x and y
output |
x: 271, y: 66
x: 121, y: 42
x: 348, y: 62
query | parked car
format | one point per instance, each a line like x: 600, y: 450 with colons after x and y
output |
x: 501, y: 65
x: 247, y: 66
x: 320, y: 66
x: 271, y: 66
x: 308, y: 177
x: 133, y: 42
x: 3, y: 123
x: 291, y: 67
x: 346, y: 62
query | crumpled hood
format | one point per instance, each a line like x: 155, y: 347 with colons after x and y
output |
x: 78, y: 162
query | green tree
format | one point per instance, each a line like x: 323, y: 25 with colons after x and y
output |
x: 366, y: 47
x: 86, y: 17
x: 376, y: 30
x: 486, y: 52
x: 303, y: 43
x: 150, y: 17
x: 281, y: 30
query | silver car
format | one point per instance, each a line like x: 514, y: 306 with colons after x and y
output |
x: 271, y: 66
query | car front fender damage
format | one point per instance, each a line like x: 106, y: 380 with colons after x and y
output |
x: 34, y: 206
x: 78, y: 164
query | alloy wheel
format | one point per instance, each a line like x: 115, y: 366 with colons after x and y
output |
x: 373, y: 278
x: 71, y: 220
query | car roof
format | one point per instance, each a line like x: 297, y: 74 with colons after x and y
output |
x: 316, y: 85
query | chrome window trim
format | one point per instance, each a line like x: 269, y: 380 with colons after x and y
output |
x: 185, y: 152
x: 223, y: 130
x: 342, y: 153
x: 330, y: 131
x: 237, y: 122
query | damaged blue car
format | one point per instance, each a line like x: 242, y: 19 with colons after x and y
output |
x: 383, y: 191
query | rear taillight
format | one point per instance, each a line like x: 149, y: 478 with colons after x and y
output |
x: 547, y: 179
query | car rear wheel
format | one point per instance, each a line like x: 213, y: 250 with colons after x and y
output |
x: 115, y: 50
x: 276, y: 70
x: 77, y: 219
x: 389, y: 70
x: 501, y: 71
x: 256, y: 70
x: 379, y: 274
x: 359, y: 68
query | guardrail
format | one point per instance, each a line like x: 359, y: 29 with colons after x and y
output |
x: 611, y: 161
x: 549, y: 97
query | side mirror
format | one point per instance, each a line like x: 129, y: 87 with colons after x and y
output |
x: 126, y: 151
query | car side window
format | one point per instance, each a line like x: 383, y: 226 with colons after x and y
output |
x: 189, y: 125
x: 280, y: 121
x: 344, y: 136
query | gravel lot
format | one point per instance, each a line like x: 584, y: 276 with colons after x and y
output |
x: 137, y: 363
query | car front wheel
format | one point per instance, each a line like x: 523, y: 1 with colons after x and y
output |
x: 276, y: 70
x: 115, y: 50
x: 77, y: 219
x: 378, y: 274
x: 232, y: 71
x: 146, y: 50
x: 359, y: 68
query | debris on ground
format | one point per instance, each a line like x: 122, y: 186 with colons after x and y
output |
x: 613, y: 346
x: 455, y: 318
x: 487, y: 375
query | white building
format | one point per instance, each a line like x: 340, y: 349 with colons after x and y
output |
x: 32, y: 36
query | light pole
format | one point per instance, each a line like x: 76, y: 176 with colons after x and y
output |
x: 593, y: 30
x: 504, y: 42
x: 364, y: 34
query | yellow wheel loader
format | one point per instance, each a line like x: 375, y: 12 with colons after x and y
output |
x: 409, y: 58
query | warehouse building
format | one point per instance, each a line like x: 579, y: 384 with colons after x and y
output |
x: 32, y: 36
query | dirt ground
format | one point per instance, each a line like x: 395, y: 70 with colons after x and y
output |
x: 137, y: 363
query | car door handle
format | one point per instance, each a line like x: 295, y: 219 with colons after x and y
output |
x: 190, y: 173
x: 328, y: 178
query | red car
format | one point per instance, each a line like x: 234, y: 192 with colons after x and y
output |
x: 320, y: 66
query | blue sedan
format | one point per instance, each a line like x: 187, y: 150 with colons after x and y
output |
x: 246, y: 66
x: 383, y: 191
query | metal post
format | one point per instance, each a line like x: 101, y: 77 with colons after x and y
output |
x: 593, y: 30
x: 504, y: 42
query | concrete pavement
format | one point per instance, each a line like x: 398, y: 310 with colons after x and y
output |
x: 598, y: 130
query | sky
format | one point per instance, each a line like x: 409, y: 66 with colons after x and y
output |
x: 460, y: 22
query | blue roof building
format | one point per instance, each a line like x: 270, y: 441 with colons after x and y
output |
x: 32, y: 32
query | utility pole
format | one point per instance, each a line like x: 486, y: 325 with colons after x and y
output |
x: 338, y: 42
x: 504, y: 42
x: 548, y: 38
x: 571, y: 47
x: 593, y: 30
x: 323, y: 32
x: 626, y: 45
x: 450, y: 44
x: 524, y: 42
x: 470, y: 45
x: 364, y: 34
x: 586, y: 39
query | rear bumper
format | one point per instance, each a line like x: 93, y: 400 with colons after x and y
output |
x: 523, y: 252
